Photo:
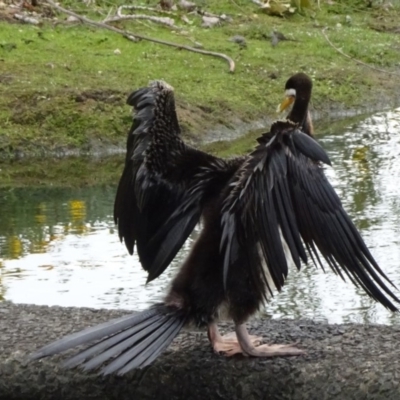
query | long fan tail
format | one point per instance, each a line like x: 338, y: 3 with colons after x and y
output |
x: 133, y: 341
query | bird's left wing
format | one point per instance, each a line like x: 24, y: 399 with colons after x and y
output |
x: 165, y: 183
x: 281, y: 206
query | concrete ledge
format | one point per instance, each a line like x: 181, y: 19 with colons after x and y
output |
x: 343, y: 362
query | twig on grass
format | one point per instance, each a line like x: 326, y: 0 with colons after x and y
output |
x: 133, y: 36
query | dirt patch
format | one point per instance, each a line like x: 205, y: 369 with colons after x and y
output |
x: 38, y: 108
x: 6, y: 79
x: 385, y: 22
x: 105, y: 96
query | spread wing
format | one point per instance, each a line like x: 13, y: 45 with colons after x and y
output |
x: 165, y: 183
x: 282, y: 204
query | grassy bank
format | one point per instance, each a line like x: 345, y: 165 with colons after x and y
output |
x: 64, y: 88
x: 76, y: 172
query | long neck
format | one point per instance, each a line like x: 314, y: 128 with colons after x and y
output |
x: 300, y: 114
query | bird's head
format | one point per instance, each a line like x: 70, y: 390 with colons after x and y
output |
x: 298, y: 87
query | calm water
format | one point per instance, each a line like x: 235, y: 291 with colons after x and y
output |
x: 60, y: 247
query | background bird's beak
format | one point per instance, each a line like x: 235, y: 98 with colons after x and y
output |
x: 285, y: 104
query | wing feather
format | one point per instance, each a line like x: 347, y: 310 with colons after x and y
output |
x: 165, y: 183
x: 281, y: 196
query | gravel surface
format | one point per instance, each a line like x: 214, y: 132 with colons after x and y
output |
x: 343, y: 362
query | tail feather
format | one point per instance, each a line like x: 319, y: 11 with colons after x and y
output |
x: 166, y: 337
x: 131, y: 342
x: 108, y: 347
x: 140, y: 351
x: 93, y: 333
x: 126, y: 347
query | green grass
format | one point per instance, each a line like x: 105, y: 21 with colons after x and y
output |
x: 67, y: 172
x: 63, y: 88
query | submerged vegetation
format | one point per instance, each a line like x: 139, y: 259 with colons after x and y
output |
x: 64, y: 85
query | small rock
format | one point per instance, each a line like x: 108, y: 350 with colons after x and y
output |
x: 240, y: 40
x: 187, y: 5
x: 117, y: 51
x: 334, y: 389
x: 27, y: 19
x: 224, y: 17
x: 71, y: 18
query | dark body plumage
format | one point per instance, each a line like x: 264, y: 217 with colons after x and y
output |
x: 259, y: 213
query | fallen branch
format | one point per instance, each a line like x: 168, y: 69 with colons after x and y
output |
x: 221, y: 17
x: 134, y: 36
x: 354, y: 59
x: 132, y: 7
x: 158, y: 20
x: 170, y: 22
x: 27, y: 19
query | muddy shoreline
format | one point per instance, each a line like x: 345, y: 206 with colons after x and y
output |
x: 348, y: 361
x: 223, y: 132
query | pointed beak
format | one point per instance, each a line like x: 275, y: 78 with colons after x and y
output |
x: 285, y: 103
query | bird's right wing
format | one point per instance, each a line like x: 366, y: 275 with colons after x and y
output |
x: 165, y: 183
x: 281, y: 199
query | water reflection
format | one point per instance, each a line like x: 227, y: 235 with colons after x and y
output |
x: 60, y: 246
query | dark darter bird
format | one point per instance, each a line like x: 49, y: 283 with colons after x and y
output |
x: 259, y: 213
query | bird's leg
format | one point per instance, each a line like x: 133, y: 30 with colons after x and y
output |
x: 228, y: 344
x: 264, y: 350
